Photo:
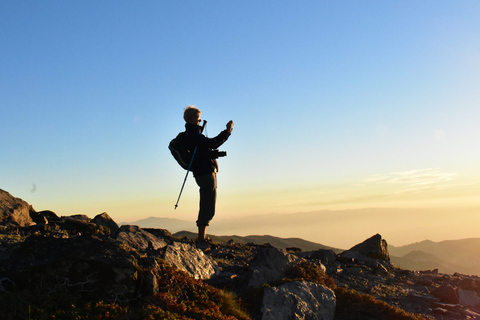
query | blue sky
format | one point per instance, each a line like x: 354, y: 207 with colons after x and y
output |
x: 336, y: 104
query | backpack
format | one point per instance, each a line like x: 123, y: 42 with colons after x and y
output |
x: 180, y: 152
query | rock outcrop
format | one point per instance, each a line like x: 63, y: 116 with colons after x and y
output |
x: 106, y: 221
x: 270, y: 265
x: 374, y: 247
x: 14, y: 210
x: 45, y: 217
x: 137, y: 238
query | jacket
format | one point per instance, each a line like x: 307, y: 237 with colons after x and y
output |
x: 203, y: 162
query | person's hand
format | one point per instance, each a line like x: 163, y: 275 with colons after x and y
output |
x: 230, y: 126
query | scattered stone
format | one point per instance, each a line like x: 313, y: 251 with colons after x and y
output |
x: 298, y: 300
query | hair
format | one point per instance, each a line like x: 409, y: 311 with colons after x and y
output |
x: 191, y: 112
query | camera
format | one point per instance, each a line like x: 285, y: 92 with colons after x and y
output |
x: 215, y: 154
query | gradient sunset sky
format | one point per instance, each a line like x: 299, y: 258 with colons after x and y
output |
x: 337, y: 105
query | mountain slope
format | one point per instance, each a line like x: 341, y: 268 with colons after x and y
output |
x: 281, y: 243
x: 447, y: 256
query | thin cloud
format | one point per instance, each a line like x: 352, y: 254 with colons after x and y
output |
x: 414, y: 180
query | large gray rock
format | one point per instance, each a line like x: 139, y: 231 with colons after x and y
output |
x: 446, y: 294
x: 270, y: 265
x: 468, y: 298
x: 138, y: 238
x: 299, y: 300
x: 14, y: 210
x: 188, y: 258
x: 106, y: 221
x: 374, y: 247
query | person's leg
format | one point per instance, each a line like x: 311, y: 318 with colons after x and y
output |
x: 208, y: 197
x: 202, y: 233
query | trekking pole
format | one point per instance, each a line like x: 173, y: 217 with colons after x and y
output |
x: 184, y: 180
x: 189, y: 166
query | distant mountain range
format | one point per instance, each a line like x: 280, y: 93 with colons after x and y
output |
x: 172, y: 225
x: 462, y: 256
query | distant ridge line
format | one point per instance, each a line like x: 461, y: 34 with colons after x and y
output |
x: 278, y: 242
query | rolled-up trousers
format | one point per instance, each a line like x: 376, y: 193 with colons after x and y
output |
x: 208, y: 197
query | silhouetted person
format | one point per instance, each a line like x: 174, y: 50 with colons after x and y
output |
x: 204, y: 167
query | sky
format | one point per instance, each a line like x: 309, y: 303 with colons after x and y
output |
x: 337, y: 105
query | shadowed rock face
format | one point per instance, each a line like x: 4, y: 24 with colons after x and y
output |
x: 100, y: 268
x: 14, y: 210
x: 374, y: 247
x: 269, y: 265
x: 105, y: 220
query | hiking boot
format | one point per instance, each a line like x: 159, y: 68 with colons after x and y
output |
x: 202, y: 245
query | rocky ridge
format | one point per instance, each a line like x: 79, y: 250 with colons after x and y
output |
x: 77, y: 267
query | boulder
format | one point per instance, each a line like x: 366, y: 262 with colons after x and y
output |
x: 270, y: 265
x: 138, y: 238
x: 80, y: 224
x: 468, y: 298
x: 188, y: 258
x: 327, y: 257
x: 374, y: 247
x: 45, y: 217
x: 298, y: 300
x: 107, y: 222
x: 446, y: 294
x: 14, y: 210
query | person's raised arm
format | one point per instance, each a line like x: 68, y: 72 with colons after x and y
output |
x: 230, y: 126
